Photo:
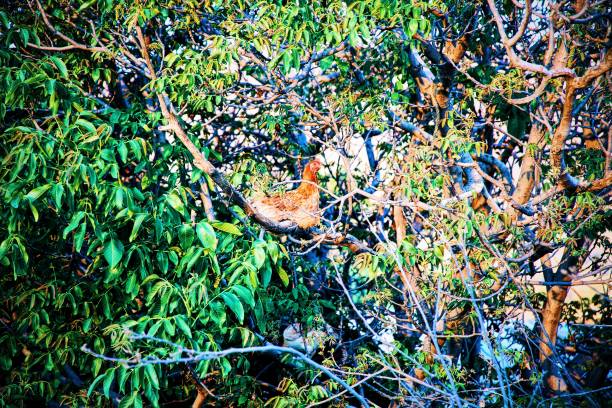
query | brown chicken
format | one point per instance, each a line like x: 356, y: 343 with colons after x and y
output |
x: 299, y: 206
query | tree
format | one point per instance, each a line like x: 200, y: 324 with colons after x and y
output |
x: 466, y: 150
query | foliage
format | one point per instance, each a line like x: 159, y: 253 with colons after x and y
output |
x: 105, y: 227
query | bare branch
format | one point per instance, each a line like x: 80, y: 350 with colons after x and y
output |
x: 187, y: 355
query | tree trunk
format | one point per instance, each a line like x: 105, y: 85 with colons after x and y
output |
x: 551, y: 314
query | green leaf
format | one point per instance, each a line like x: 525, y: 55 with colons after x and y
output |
x: 60, y: 66
x: 123, y: 152
x: 186, y: 235
x: 74, y: 222
x: 182, y: 325
x: 168, y: 326
x: 227, y: 227
x: 4, y: 247
x: 37, y: 192
x: 153, y: 330
x: 226, y: 367
x: 259, y: 255
x: 266, y: 275
x: 95, y: 382
x: 214, y: 263
x: 413, y: 27
x: 87, y: 324
x: 244, y: 294
x: 175, y: 202
x: 34, y: 211
x: 162, y: 261
x: 136, y: 374
x: 195, y: 256
x: 79, y: 237
x: 150, y: 372
x: 137, y: 223
x: 439, y: 252
x: 173, y: 257
x: 207, y: 236
x: 5, y: 20
x: 25, y: 36
x: 122, y: 376
x: 113, y: 252
x: 282, y: 274
x: 234, y: 304
x: 57, y: 192
x: 106, y: 306
x: 108, y: 381
x: 287, y: 61
x: 138, y: 401
x: 89, y: 127
x: 85, y: 5
x: 253, y: 277
x: 129, y: 401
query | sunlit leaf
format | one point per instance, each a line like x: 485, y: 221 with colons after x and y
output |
x: 234, y: 305
x: 226, y: 227
x: 206, y: 235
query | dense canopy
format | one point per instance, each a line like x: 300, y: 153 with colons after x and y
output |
x: 461, y: 254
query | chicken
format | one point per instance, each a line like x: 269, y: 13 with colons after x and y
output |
x: 299, y: 206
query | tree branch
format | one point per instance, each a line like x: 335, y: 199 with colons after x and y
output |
x: 56, y: 32
x: 200, y: 162
x: 193, y: 356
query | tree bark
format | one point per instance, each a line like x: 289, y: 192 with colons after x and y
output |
x: 551, y: 314
x: 529, y: 176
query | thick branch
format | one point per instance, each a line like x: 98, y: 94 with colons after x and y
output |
x: 526, y: 16
x: 592, y: 73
